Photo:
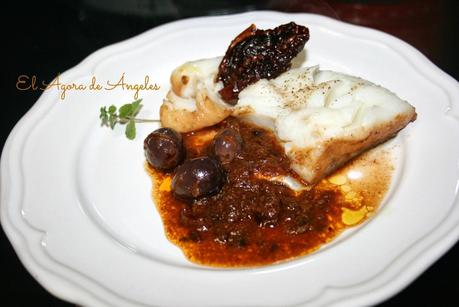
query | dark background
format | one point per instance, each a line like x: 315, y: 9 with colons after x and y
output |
x: 45, y: 38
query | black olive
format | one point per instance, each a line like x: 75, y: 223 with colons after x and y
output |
x: 227, y: 145
x: 164, y: 148
x: 197, y: 177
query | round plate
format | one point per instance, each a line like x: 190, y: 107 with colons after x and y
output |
x: 76, y: 201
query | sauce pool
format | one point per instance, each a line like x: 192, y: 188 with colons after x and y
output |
x: 256, y: 219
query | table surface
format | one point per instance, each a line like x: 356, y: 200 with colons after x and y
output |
x: 48, y: 37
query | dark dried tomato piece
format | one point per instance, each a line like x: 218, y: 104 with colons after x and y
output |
x: 256, y: 54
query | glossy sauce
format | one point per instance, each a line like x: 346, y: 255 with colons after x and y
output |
x: 256, y: 219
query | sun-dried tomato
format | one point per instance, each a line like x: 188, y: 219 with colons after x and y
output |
x: 257, y: 54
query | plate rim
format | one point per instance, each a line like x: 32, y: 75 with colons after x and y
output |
x: 22, y: 245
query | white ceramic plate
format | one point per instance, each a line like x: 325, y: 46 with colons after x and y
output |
x: 76, y: 203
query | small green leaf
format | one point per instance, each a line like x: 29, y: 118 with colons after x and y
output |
x: 112, y: 119
x: 135, y: 107
x: 112, y: 109
x: 125, y: 110
x: 103, y: 116
x: 130, y: 130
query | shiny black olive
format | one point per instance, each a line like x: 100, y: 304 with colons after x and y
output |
x: 198, y: 177
x: 164, y: 148
x: 227, y: 144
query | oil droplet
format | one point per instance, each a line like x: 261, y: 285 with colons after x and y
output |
x: 351, y: 196
x: 352, y: 217
x: 338, y: 179
x: 166, y: 184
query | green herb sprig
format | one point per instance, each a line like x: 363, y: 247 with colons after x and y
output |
x: 126, y: 114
